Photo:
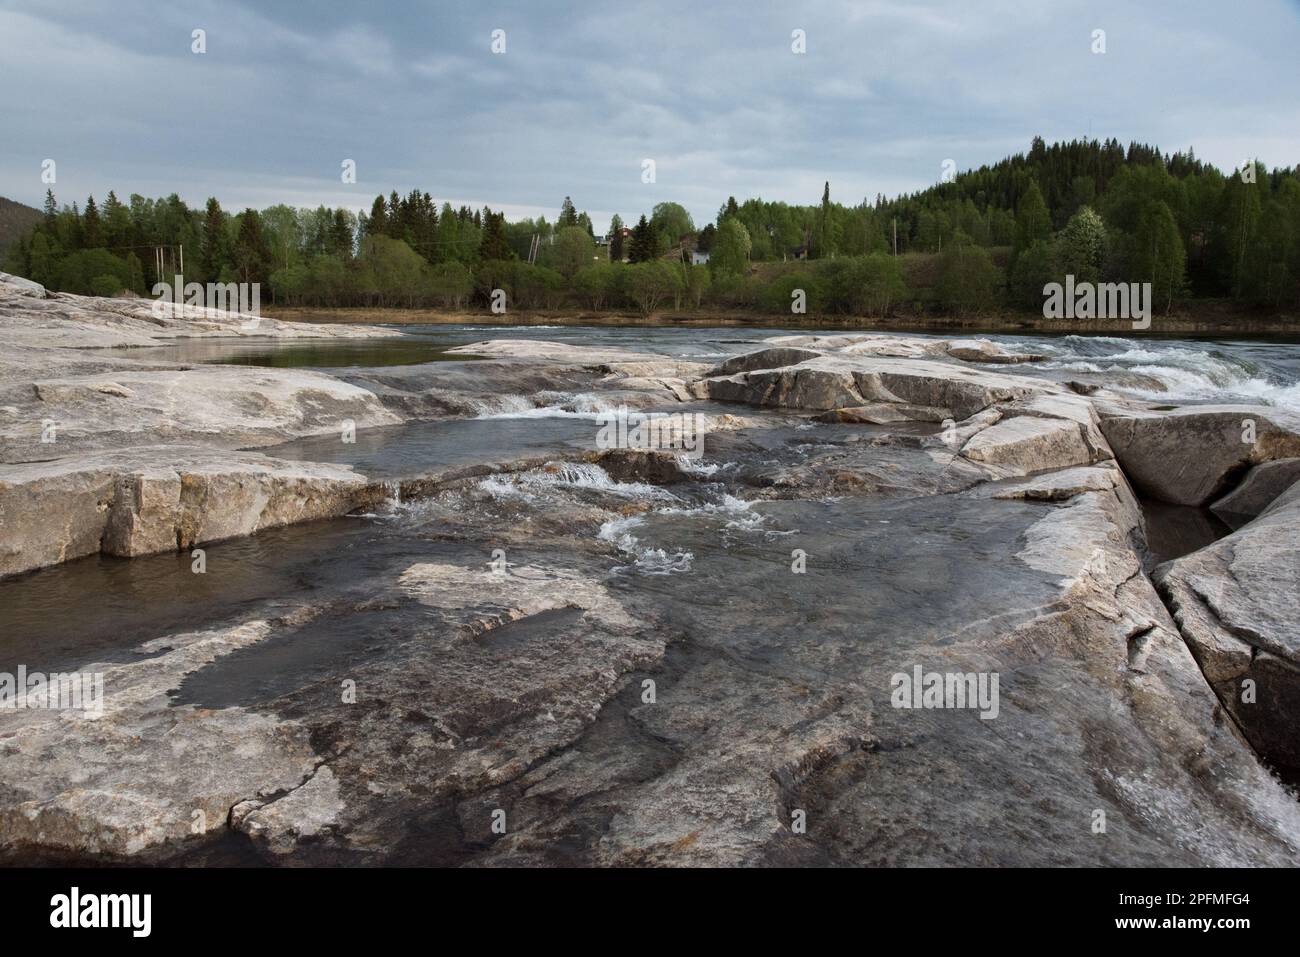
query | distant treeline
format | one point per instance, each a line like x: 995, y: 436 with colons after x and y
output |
x: 992, y: 237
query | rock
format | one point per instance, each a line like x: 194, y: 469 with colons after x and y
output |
x: 981, y: 350
x: 221, y: 406
x: 1262, y: 484
x: 763, y: 359
x: 832, y: 382
x: 1060, y: 486
x: 280, y: 822
x: 144, y: 773
x: 556, y: 352
x: 18, y: 286
x: 147, y: 500
x: 1235, y: 604
x: 30, y: 316
x: 643, y: 675
x: 636, y: 465
x: 882, y: 413
x: 886, y: 345
x: 1025, y: 444
x: 1193, y: 455
x: 818, y: 384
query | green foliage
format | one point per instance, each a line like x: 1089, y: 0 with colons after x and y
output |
x: 597, y: 284
x: 644, y: 244
x: 1033, y: 269
x: 451, y: 284
x: 779, y: 294
x: 251, y: 256
x: 731, y: 246
x: 80, y: 273
x: 671, y: 221
x: 698, y: 281
x: 1158, y: 256
x: 494, y: 244
x: 968, y: 280
x: 572, y: 250
x: 107, y: 286
x: 1082, y: 246
x: 1033, y: 222
x: 649, y: 284
x: 1090, y: 208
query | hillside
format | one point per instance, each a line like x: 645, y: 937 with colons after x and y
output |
x: 15, y: 220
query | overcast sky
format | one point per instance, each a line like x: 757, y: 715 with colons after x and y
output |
x: 583, y: 93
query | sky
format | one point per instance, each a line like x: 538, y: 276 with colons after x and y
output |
x: 583, y: 94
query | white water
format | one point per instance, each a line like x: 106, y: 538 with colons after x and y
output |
x: 580, y: 475
x: 549, y: 405
x: 1172, y: 372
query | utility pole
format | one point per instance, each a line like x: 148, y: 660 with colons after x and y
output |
x: 895, y: 235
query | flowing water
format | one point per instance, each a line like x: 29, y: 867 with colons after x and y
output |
x: 133, y: 600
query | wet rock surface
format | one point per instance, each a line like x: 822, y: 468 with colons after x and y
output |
x: 539, y: 652
x: 1235, y: 603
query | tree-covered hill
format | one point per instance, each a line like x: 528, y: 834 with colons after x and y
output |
x: 15, y: 220
x: 990, y: 238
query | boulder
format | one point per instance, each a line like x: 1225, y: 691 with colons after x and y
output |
x: 1024, y: 444
x: 764, y: 359
x: 1261, y: 486
x: 981, y: 350
x: 1193, y: 455
x: 1235, y: 604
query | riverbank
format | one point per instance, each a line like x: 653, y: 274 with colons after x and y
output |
x: 1199, y: 319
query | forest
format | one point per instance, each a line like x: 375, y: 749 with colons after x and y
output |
x: 989, y: 239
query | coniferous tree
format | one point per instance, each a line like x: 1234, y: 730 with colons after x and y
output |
x: 92, y: 229
x: 117, y: 222
x: 212, y: 244
x: 251, y: 255
x: 377, y: 224
x: 1033, y: 221
x: 642, y: 247
x: 568, y: 214
x: 616, y: 239
x: 495, y: 245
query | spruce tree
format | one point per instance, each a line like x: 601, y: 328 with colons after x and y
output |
x: 92, y: 229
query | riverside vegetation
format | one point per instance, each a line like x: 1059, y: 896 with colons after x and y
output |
x: 990, y: 239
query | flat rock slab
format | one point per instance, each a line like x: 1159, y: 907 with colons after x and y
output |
x: 222, y: 406
x: 143, y: 773
x: 1024, y: 444
x: 147, y: 500
x: 31, y: 315
x: 841, y: 381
